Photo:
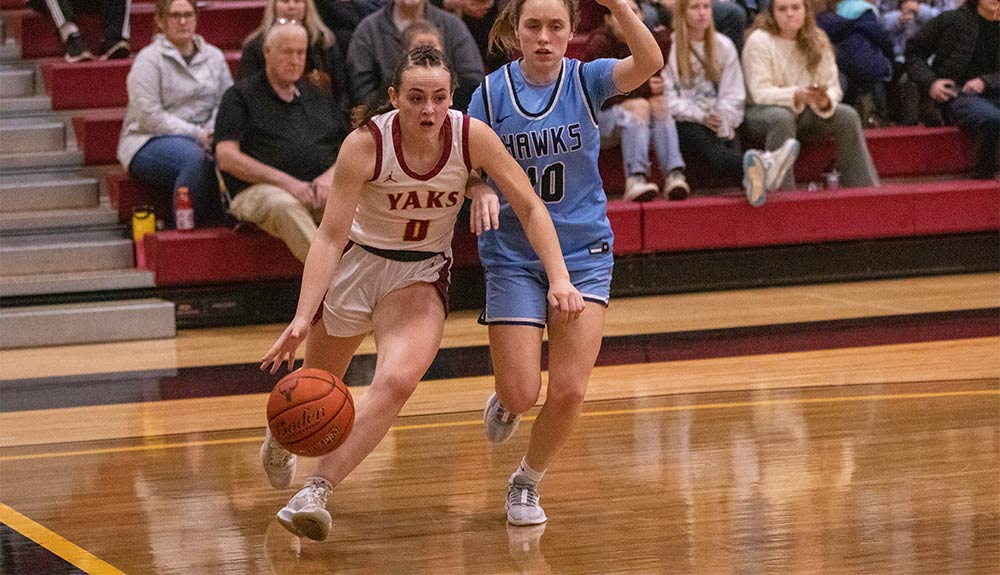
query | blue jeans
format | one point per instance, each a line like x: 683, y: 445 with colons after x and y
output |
x: 981, y: 116
x: 618, y: 127
x: 166, y: 163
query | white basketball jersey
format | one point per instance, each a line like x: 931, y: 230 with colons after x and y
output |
x: 400, y: 209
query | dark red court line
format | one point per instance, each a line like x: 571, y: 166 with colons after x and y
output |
x: 140, y: 386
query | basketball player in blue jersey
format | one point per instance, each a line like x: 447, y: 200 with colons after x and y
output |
x: 397, y: 190
x: 543, y: 106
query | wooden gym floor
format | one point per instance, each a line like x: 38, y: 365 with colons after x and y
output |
x: 827, y: 429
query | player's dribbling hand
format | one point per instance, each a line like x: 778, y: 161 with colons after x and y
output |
x: 484, y: 213
x: 285, y: 347
x: 565, y: 299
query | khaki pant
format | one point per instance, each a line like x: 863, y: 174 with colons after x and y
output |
x: 278, y: 213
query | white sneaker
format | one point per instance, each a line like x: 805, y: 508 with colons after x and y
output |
x: 779, y: 161
x: 754, y: 178
x: 638, y: 189
x: 305, y: 515
x: 278, y: 462
x: 522, y: 502
x: 500, y: 423
x: 675, y: 186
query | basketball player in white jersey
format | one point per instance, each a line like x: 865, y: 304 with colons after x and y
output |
x: 397, y: 190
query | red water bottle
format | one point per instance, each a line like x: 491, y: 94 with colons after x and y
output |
x: 183, y: 211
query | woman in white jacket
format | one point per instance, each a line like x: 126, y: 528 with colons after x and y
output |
x: 794, y: 90
x: 174, y: 89
x: 704, y: 83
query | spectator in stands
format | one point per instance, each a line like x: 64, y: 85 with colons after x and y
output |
x: 964, y: 77
x: 704, y: 83
x: 174, y: 89
x: 343, y: 16
x: 864, y: 54
x: 478, y: 16
x: 324, y: 62
x: 377, y: 48
x: 632, y: 120
x: 794, y: 91
x: 901, y: 23
x: 115, y: 20
x: 422, y: 33
x: 729, y: 17
x: 277, y: 140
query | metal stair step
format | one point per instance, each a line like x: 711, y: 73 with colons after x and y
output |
x: 69, y: 256
x: 35, y: 192
x: 53, y: 219
x: 25, y: 105
x: 16, y: 82
x: 10, y: 51
x: 41, y: 160
x: 65, y: 324
x: 76, y: 282
x: 26, y: 135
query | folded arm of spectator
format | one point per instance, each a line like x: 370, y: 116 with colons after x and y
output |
x: 233, y: 161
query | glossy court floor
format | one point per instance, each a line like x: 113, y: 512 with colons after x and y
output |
x: 827, y: 429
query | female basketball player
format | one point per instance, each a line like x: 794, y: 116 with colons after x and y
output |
x: 397, y: 190
x: 543, y: 107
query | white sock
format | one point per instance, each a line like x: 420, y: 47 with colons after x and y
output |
x: 525, y: 470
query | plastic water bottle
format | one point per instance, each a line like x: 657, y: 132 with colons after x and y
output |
x: 183, y: 211
x: 832, y: 180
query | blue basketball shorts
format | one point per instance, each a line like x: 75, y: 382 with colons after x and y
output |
x: 518, y: 295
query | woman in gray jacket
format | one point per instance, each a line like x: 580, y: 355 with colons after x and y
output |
x: 174, y: 89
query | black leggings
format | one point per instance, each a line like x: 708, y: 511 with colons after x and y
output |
x: 700, y: 145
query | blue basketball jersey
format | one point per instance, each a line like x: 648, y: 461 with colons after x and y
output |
x: 552, y: 133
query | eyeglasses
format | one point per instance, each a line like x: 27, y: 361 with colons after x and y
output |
x: 178, y: 16
x: 281, y: 21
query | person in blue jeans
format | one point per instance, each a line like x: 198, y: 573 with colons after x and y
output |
x: 964, y: 76
x: 174, y: 89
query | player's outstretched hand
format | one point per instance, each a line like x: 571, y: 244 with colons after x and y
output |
x: 484, y: 213
x: 565, y: 299
x: 285, y: 347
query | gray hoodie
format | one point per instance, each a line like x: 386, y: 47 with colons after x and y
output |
x: 166, y: 95
x: 377, y: 48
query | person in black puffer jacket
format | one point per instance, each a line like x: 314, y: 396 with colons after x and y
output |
x: 964, y: 78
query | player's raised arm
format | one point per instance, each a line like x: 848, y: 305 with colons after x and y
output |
x: 488, y: 152
x: 646, y: 59
x: 356, y: 164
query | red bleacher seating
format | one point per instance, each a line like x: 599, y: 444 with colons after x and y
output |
x: 63, y: 82
x: 97, y: 133
x: 224, y: 24
x: 894, y: 210
x: 218, y: 255
x: 221, y: 255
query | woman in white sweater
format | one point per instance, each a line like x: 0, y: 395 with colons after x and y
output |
x: 794, y: 91
x: 174, y: 89
x: 704, y: 82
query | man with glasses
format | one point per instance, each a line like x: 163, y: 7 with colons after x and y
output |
x: 276, y: 142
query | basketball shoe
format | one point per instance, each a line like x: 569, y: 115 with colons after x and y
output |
x: 638, y: 189
x: 305, y: 514
x: 278, y: 462
x: 754, y: 178
x: 522, y: 501
x: 778, y: 162
x: 500, y: 423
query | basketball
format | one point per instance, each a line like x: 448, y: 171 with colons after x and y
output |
x: 310, y: 412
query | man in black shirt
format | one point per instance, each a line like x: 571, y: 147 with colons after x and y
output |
x: 964, y: 77
x: 277, y: 140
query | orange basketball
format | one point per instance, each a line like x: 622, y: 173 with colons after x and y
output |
x: 310, y: 412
